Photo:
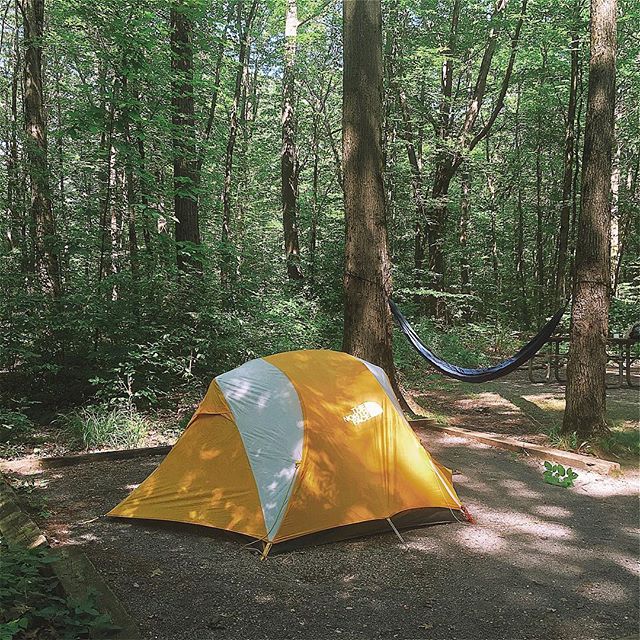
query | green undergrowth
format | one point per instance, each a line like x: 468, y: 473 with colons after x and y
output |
x: 557, y: 475
x: 33, y: 606
x: 97, y: 426
x: 621, y: 441
x: 565, y: 441
x: 14, y: 424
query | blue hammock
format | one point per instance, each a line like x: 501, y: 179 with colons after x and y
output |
x: 477, y: 375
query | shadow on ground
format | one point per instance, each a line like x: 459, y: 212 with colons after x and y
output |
x: 541, y: 563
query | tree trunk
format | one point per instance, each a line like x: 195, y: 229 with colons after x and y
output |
x: 144, y: 192
x: 615, y: 205
x: 313, y: 231
x: 226, y: 259
x: 437, y: 214
x: 465, y: 269
x: 106, y: 180
x: 216, y: 90
x: 585, y: 392
x: 15, y: 238
x: 46, y: 240
x: 367, y: 318
x: 567, y: 175
x: 437, y: 220
x: 521, y: 279
x: 540, y: 299
x: 415, y: 161
x: 185, y: 161
x: 129, y: 177
x: 289, y: 156
x: 493, y: 235
x: 520, y: 267
x: 396, y: 79
x: 576, y: 176
x: 627, y: 219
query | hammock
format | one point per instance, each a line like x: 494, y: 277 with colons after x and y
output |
x: 477, y: 375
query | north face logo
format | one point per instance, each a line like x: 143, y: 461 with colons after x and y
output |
x: 363, y: 412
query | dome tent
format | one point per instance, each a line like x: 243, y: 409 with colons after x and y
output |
x: 304, y: 445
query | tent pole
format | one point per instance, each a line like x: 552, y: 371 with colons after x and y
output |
x: 393, y: 526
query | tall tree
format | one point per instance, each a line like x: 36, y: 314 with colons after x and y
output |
x: 288, y: 155
x: 185, y: 161
x: 367, y: 319
x: 46, y: 241
x: 586, y: 368
x: 16, y: 219
x: 243, y: 28
x: 454, y: 141
x: 569, y: 143
x: 463, y: 233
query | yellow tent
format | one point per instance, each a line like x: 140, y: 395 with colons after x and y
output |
x: 295, y: 444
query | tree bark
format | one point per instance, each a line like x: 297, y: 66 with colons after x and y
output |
x: 628, y: 218
x: 367, y: 318
x: 185, y: 161
x: 313, y: 231
x: 521, y: 277
x: 216, y: 90
x: 226, y: 258
x: 576, y: 176
x: 540, y: 293
x: 567, y: 174
x: 129, y: 177
x: 106, y: 178
x: 289, y: 155
x: 15, y: 238
x: 465, y: 268
x: 586, y: 370
x: 493, y: 235
x: 46, y: 240
x: 615, y: 220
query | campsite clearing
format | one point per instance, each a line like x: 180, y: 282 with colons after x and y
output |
x: 541, y: 562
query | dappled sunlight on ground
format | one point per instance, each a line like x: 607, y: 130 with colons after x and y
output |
x: 546, y: 401
x: 542, y: 562
x: 486, y: 400
x: 513, y: 406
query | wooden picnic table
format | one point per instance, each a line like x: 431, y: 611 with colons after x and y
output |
x: 619, y: 350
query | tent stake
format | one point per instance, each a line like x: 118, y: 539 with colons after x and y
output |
x: 265, y: 552
x: 393, y: 526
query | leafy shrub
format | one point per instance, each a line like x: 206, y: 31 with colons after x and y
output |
x: 557, y: 475
x: 13, y: 424
x: 31, y: 605
x: 103, y: 426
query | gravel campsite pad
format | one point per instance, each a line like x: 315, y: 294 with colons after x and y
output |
x: 541, y: 562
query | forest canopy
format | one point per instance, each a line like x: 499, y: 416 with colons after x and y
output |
x: 171, y: 181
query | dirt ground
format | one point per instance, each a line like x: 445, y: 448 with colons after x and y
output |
x: 516, y: 407
x: 541, y: 562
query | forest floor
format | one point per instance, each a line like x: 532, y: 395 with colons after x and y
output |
x: 514, y: 406
x: 541, y: 563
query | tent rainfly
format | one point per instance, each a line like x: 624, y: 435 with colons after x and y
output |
x: 304, y: 446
